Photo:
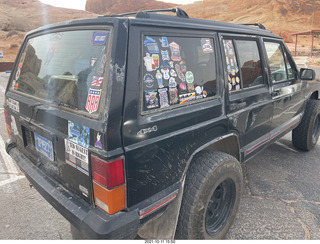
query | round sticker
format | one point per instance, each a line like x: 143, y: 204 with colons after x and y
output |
x: 18, y: 74
x: 189, y: 77
x: 148, y: 80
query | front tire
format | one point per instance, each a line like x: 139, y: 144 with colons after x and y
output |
x: 306, y: 135
x: 211, y: 196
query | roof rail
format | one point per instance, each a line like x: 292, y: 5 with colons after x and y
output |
x: 261, y: 26
x: 144, y: 14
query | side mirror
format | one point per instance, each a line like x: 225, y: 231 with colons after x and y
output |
x: 307, y: 74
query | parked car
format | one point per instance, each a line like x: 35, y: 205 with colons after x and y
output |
x: 138, y: 125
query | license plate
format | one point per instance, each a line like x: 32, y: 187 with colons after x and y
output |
x: 44, y: 146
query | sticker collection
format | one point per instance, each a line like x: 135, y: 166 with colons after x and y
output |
x: 232, y: 66
x: 167, y: 78
x: 94, y: 93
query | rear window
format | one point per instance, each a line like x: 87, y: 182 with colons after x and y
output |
x: 64, y: 68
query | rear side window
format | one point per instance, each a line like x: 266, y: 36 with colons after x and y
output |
x: 65, y: 68
x: 243, y: 64
x: 177, y: 71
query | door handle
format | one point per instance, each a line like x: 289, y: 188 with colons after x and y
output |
x: 275, y: 93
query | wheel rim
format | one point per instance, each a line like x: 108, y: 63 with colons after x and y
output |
x: 316, y: 130
x: 220, y: 207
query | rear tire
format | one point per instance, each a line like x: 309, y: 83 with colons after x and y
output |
x: 211, y: 196
x: 306, y: 135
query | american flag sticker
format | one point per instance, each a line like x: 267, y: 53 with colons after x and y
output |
x: 93, y: 100
x: 96, y: 81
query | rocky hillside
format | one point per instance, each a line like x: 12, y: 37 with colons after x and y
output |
x: 276, y: 15
x: 19, y: 16
x: 124, y: 6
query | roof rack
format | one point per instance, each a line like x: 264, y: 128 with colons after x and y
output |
x: 144, y: 14
x: 261, y: 26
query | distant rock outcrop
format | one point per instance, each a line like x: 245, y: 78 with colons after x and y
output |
x: 124, y: 6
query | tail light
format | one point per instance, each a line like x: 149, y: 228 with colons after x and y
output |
x: 108, y: 184
x: 7, y: 122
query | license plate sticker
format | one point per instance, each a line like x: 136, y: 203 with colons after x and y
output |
x: 44, y: 146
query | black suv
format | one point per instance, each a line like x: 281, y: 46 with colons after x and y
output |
x: 137, y: 126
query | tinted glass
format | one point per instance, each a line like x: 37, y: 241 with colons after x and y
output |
x: 249, y: 63
x: 65, y: 68
x: 276, y: 61
x: 177, y: 70
x: 290, y: 69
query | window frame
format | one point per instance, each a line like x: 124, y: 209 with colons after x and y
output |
x: 185, y: 34
x: 240, y: 37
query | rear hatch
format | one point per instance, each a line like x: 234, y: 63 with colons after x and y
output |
x: 55, y: 98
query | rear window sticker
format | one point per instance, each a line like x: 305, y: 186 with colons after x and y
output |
x: 184, y: 98
x: 173, y: 95
x: 14, y: 127
x: 165, y: 71
x: 173, y: 73
x: 190, y: 87
x: 102, y: 65
x: 14, y: 82
x: 151, y: 99
x: 99, y: 38
x: 164, y: 42
x: 155, y: 61
x: 183, y: 66
x: 227, y: 60
x: 237, y: 79
x: 18, y: 74
x: 13, y: 104
x: 79, y: 134
x: 148, y: 80
x: 93, y: 100
x: 77, y: 156
x: 180, y: 74
x: 230, y: 87
x: 206, y: 45
x: 96, y: 81
x: 204, y: 94
x: 237, y: 87
x: 172, y: 82
x: 165, y: 55
x: 159, y: 79
x: 171, y: 63
x: 148, y: 62
x: 99, y: 140
x: 233, y: 81
x: 189, y: 77
x: 151, y: 44
x: 93, y: 62
x: 199, y: 90
x: 175, y: 51
x: 23, y: 57
x: 183, y: 87
x: 163, y: 95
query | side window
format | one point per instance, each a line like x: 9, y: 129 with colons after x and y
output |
x: 249, y: 62
x: 243, y: 64
x: 177, y: 70
x: 278, y: 65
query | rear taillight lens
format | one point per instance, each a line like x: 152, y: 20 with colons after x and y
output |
x: 7, y: 122
x: 108, y: 174
x: 108, y: 184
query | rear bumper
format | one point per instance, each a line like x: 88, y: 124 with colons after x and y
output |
x: 92, y: 222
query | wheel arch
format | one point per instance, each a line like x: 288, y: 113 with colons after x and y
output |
x: 315, y: 95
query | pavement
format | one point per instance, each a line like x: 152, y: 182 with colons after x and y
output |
x: 281, y: 200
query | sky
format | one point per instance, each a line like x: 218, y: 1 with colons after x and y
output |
x: 80, y: 4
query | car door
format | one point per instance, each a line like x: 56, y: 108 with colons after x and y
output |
x: 249, y: 102
x: 286, y: 88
